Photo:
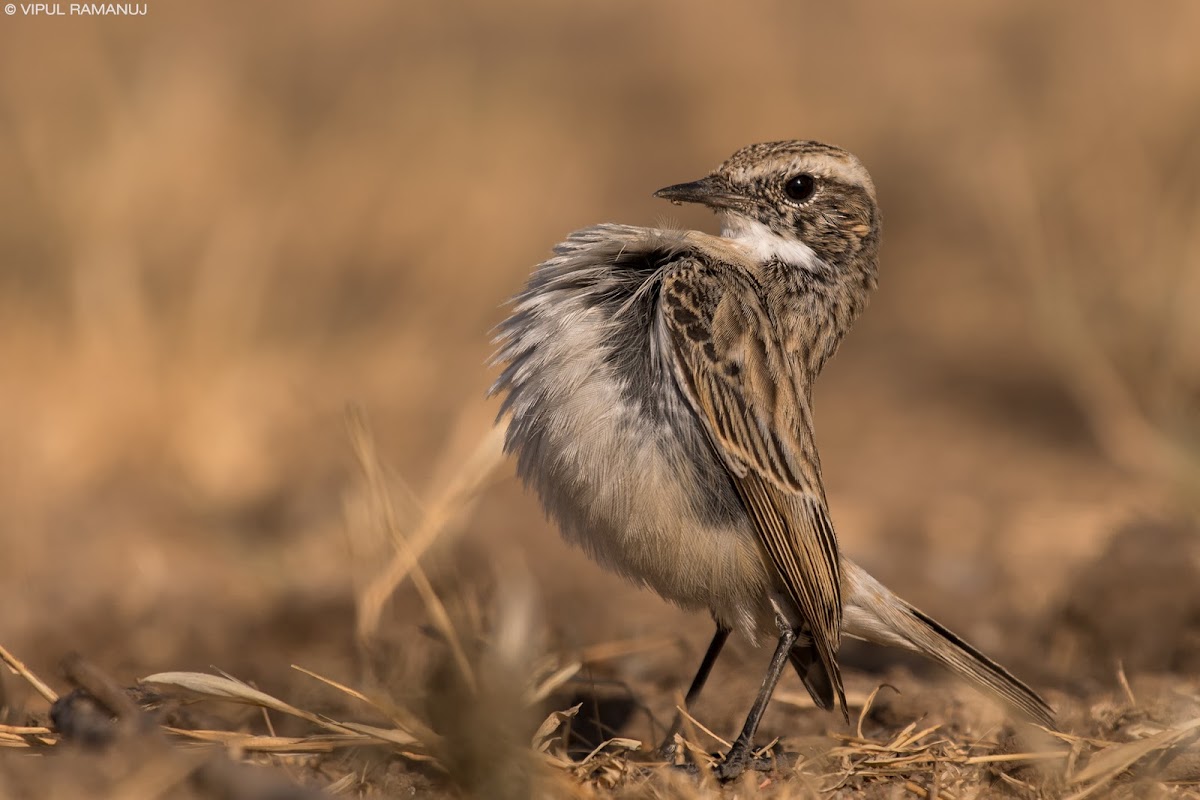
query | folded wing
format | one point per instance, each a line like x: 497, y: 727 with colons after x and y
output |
x: 750, y: 397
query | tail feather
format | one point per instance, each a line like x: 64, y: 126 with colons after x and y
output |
x: 945, y: 647
x: 812, y: 671
x: 877, y: 615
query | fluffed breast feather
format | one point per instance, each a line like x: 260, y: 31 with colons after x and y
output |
x: 634, y: 355
x: 561, y: 289
x: 604, y: 437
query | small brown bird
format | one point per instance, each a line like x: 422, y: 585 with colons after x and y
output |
x: 660, y: 390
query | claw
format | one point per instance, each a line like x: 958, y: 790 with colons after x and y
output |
x: 740, y: 759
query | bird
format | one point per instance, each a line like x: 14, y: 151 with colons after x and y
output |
x: 658, y: 389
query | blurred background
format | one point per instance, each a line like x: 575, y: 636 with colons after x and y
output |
x: 222, y: 224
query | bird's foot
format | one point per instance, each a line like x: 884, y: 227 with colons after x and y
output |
x: 728, y: 766
x: 666, y: 751
x: 742, y: 757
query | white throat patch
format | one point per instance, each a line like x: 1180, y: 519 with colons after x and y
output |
x: 766, y: 245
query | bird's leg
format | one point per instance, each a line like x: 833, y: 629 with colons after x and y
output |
x: 666, y: 750
x: 735, y: 760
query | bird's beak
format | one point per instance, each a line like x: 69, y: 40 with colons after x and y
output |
x: 709, y: 191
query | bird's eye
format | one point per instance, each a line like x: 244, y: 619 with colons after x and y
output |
x: 801, y: 187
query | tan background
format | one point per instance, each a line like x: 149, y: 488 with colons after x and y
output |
x: 223, y: 222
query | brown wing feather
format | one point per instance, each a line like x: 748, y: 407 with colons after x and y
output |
x: 746, y: 391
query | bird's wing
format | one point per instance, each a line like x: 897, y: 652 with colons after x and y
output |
x: 747, y: 393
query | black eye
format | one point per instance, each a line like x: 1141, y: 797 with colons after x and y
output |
x: 801, y: 187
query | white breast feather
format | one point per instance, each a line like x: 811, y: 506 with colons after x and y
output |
x: 764, y: 244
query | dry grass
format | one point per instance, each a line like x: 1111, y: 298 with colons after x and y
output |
x: 491, y: 685
x: 223, y: 224
x: 1149, y: 756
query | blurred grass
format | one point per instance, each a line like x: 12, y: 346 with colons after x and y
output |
x: 221, y: 223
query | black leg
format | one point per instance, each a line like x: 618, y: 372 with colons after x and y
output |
x: 666, y: 750
x: 735, y: 760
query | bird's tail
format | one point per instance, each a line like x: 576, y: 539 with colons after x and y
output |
x: 816, y: 679
x: 873, y: 613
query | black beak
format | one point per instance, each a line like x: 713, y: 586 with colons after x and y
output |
x: 708, y: 191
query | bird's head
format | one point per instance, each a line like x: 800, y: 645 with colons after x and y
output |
x: 790, y: 201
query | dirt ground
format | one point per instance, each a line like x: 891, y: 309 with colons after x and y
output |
x: 249, y: 258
